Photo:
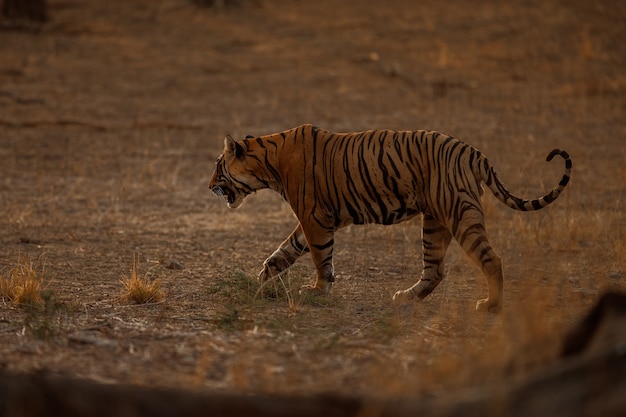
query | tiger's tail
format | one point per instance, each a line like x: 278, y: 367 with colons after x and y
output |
x: 489, y: 176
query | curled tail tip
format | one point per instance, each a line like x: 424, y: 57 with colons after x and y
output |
x: 555, y: 152
x: 494, y: 184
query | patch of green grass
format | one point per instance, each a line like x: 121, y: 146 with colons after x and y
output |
x: 287, y: 286
x: 241, y: 289
x: 42, y: 321
x: 236, y: 286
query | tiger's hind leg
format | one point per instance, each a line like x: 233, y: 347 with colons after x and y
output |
x: 435, y: 241
x: 472, y: 236
x: 287, y: 253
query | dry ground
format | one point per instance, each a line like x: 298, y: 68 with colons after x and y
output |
x: 111, y: 117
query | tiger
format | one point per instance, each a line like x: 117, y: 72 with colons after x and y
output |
x: 332, y: 180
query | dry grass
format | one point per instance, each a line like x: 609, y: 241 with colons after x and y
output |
x: 140, y: 289
x: 22, y: 284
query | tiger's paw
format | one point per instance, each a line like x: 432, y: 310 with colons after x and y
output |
x: 268, y: 272
x: 403, y: 297
x: 268, y: 288
x: 316, y: 290
x: 488, y: 306
x: 263, y: 275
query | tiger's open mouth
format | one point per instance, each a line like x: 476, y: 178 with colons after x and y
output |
x: 228, y: 195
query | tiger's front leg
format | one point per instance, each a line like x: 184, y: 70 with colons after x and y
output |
x: 287, y: 253
x: 321, y: 242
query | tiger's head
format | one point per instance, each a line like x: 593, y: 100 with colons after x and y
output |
x: 237, y: 173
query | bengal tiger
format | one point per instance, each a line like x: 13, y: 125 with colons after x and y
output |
x: 332, y: 180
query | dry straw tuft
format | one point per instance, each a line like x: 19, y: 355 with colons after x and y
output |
x: 22, y: 285
x: 139, y: 289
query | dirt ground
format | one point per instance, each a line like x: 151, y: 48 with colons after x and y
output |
x: 112, y: 114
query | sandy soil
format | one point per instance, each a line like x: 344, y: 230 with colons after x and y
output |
x: 111, y: 117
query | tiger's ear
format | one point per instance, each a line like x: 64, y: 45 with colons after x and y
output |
x: 232, y: 149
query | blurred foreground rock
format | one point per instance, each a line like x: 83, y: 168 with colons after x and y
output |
x: 589, y: 380
x: 23, y: 14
